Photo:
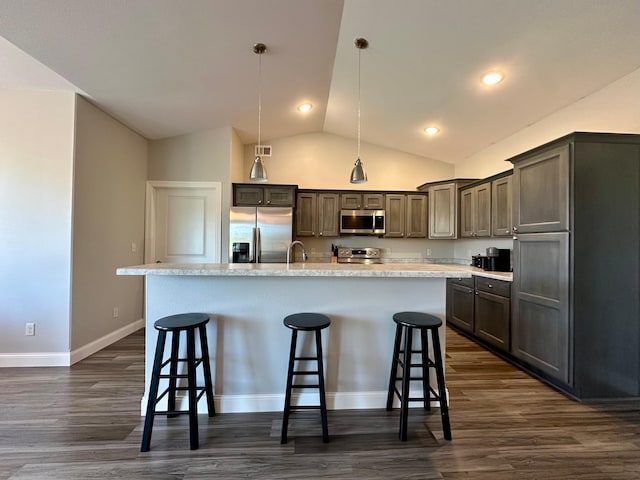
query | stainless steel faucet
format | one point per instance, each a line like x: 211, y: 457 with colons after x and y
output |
x: 290, y: 249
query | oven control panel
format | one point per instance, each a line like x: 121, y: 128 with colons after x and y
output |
x: 359, y: 255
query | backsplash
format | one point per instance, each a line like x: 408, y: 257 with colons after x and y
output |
x: 417, y: 250
x: 407, y: 250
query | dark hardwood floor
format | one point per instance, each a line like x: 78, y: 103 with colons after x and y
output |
x: 83, y: 422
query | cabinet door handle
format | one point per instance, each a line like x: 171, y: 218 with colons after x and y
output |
x: 489, y: 285
x: 515, y: 229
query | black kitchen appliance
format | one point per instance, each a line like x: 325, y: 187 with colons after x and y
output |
x: 478, y: 261
x: 497, y: 260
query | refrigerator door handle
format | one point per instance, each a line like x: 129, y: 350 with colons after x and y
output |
x: 256, y: 244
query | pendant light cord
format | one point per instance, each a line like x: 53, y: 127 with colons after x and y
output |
x: 359, y: 52
x: 259, y: 98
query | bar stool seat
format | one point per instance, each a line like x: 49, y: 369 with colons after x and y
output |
x: 306, y: 322
x: 406, y: 323
x: 175, y: 324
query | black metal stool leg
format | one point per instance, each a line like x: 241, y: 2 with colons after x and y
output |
x: 323, y: 401
x: 287, y: 397
x: 394, y: 368
x: 173, y: 372
x: 426, y: 386
x: 442, y: 391
x: 406, y: 381
x: 193, y: 395
x: 153, y: 392
x: 206, y: 365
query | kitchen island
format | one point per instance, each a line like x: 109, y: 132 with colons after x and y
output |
x: 249, y: 345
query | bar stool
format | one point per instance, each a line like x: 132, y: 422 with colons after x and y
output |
x: 308, y: 322
x: 187, y: 322
x: 406, y: 323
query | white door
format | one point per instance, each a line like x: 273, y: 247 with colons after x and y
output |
x: 183, y: 222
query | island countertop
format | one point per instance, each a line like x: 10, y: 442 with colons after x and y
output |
x: 403, y: 270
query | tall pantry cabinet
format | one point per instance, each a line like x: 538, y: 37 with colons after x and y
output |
x: 576, y: 263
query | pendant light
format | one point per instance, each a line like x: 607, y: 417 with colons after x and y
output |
x: 358, y: 175
x: 258, y: 172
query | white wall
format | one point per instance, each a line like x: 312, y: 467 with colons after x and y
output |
x: 36, y: 171
x: 615, y: 109
x: 195, y: 157
x: 237, y: 174
x: 108, y: 216
x: 324, y: 160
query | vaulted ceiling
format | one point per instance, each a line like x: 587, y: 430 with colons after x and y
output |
x: 169, y: 67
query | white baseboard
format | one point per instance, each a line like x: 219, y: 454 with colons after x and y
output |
x: 37, y: 359
x: 97, y: 345
x: 66, y: 359
x: 275, y: 402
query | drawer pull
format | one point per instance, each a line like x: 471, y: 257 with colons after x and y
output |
x: 489, y: 285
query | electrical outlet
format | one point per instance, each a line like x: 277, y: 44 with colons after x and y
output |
x: 30, y: 329
x: 116, y: 312
x: 134, y: 247
x: 428, y: 252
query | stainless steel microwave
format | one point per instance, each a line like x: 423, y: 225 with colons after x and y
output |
x: 362, y: 222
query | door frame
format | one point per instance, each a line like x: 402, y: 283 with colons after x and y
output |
x: 152, y: 188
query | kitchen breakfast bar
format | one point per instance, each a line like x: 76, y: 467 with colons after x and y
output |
x: 248, y: 344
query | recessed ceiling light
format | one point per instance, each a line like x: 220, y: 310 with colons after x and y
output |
x: 431, y: 130
x: 305, y: 107
x: 491, y: 78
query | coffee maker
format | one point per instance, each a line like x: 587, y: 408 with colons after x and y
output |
x: 497, y: 260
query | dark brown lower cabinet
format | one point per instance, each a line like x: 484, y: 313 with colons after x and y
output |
x: 460, y: 296
x: 481, y: 307
x: 493, y: 312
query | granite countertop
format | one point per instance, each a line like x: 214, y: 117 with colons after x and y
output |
x: 404, y: 270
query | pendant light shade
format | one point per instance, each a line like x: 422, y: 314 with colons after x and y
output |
x: 258, y: 172
x: 358, y: 175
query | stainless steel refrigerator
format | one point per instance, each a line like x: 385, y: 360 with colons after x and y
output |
x: 260, y: 234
